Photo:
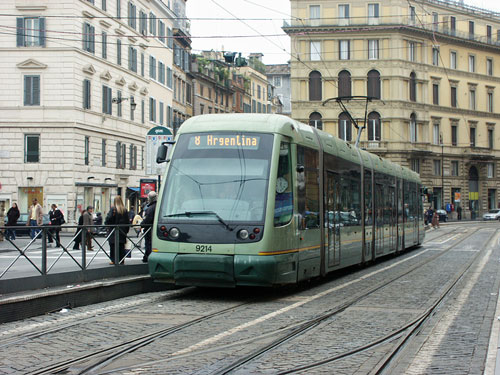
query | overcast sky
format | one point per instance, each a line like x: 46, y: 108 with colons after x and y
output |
x: 246, y: 35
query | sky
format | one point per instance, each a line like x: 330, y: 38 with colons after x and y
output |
x: 248, y: 26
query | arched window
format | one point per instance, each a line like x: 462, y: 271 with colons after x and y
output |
x: 344, y: 83
x: 374, y: 127
x: 315, y: 120
x: 345, y: 132
x: 413, y: 128
x: 373, y: 88
x: 315, y: 85
x: 413, y: 87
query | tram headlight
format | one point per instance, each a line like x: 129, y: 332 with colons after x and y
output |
x: 243, y: 234
x: 174, y: 233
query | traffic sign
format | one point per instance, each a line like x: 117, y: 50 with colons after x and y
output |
x: 155, y: 137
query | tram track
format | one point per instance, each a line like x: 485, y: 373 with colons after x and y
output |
x: 300, y: 328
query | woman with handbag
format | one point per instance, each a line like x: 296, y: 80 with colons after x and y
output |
x: 118, y: 216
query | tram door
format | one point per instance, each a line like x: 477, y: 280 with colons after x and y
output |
x: 414, y: 212
x: 332, y: 219
x: 379, y: 219
x: 391, y: 199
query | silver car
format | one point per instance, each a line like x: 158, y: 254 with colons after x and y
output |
x: 492, y: 215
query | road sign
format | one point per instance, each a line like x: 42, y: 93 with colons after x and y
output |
x: 154, y: 139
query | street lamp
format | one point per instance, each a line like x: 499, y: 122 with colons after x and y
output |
x: 133, y: 104
x: 442, y: 168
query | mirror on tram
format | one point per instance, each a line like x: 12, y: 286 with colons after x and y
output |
x: 161, y: 155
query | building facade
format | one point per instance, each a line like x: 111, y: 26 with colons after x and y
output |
x: 431, y: 70
x: 278, y: 75
x: 84, y: 82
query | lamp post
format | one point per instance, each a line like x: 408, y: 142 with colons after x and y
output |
x: 442, y: 168
x: 133, y: 104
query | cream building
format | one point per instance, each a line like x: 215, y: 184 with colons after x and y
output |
x: 83, y: 82
x: 432, y: 68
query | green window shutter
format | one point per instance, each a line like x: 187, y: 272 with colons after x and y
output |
x: 20, y: 32
x: 41, y: 39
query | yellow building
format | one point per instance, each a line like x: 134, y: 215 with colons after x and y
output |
x: 431, y: 68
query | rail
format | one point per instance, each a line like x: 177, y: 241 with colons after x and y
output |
x: 37, y: 252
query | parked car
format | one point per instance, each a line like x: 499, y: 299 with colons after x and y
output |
x: 21, y: 228
x: 443, y: 215
x: 492, y: 215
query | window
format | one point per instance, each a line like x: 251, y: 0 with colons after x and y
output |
x: 315, y: 120
x: 453, y: 60
x: 413, y: 15
x: 413, y: 128
x: 315, y: 51
x: 472, y: 63
x: 88, y: 38
x: 170, y: 78
x: 152, y: 24
x: 107, y: 97
x: 314, y: 14
x: 142, y: 64
x: 435, y: 94
x: 435, y: 134
x: 118, y: 51
x: 119, y: 9
x: 277, y: 81
x: 143, y: 111
x: 453, y: 95
x: 132, y: 59
x: 143, y: 23
x: 344, y: 14
x: 490, y: 102
x: 170, y: 38
x: 283, y: 206
x: 373, y: 49
x: 87, y: 151
x: 132, y: 101
x: 308, y: 193
x: 119, y: 103
x: 315, y: 89
x: 471, y: 29
x: 345, y: 132
x: 32, y: 148
x: 133, y: 156
x: 344, y: 85
x: 435, y: 21
x: 411, y: 51
x: 103, y: 153
x: 454, y: 168
x: 103, y: 5
x: 344, y: 49
x: 86, y: 94
x: 374, y: 127
x: 413, y: 87
x: 489, y: 67
x: 490, y: 170
x: 152, y: 110
x: 472, y: 135
x: 258, y: 92
x: 32, y: 90
x: 415, y: 165
x: 453, y: 25
x: 161, y: 32
x: 488, y: 33
x: 437, y: 167
x: 161, y: 72
x: 373, y: 14
x: 162, y: 109
x: 132, y: 17
x: 491, y: 139
x: 30, y: 32
x: 104, y: 45
x: 472, y: 99
x: 119, y: 155
x: 170, y: 114
x: 435, y: 56
x: 373, y: 88
x: 152, y: 67
x: 454, y: 135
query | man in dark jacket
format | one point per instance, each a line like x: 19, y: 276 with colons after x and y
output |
x: 148, y: 222
x: 56, y: 219
x: 88, y: 220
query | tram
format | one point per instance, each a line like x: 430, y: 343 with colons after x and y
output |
x: 263, y: 200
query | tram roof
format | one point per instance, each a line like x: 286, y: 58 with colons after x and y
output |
x: 301, y: 133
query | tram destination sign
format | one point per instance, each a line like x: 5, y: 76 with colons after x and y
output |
x: 224, y: 141
x: 155, y: 137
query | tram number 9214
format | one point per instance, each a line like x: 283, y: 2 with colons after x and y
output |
x: 203, y: 248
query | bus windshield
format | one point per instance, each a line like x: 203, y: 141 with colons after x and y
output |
x: 220, y: 177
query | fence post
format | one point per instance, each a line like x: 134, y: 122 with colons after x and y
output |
x: 83, y: 246
x: 44, y: 250
x: 117, y: 246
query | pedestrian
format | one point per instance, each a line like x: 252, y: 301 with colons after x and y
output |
x: 12, y: 217
x: 435, y: 220
x: 430, y: 214
x: 136, y: 224
x: 35, y: 214
x: 147, y: 224
x: 459, y: 213
x: 118, y: 216
x: 88, y: 221
x: 56, y: 220
x: 78, y: 235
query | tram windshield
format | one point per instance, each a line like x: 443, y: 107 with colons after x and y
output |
x: 219, y: 177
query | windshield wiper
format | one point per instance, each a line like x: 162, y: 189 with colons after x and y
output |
x: 191, y: 213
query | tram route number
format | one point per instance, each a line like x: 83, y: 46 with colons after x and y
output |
x: 203, y: 248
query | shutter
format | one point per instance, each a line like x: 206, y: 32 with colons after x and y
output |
x: 151, y: 66
x: 170, y: 41
x: 169, y: 116
x: 36, y: 90
x: 110, y: 100
x: 134, y: 56
x: 92, y: 39
x: 186, y: 61
x: 84, y: 37
x: 104, y: 99
x: 20, y: 31
x: 130, y: 58
x: 118, y: 154
x: 41, y: 40
x: 118, y: 9
x: 27, y: 90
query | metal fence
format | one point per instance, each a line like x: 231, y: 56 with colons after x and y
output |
x: 35, y: 250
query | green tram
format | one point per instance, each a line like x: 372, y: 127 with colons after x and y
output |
x: 263, y: 200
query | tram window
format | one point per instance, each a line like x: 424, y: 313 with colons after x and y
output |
x: 283, y: 206
x: 308, y: 187
x: 407, y: 200
x: 368, y: 198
